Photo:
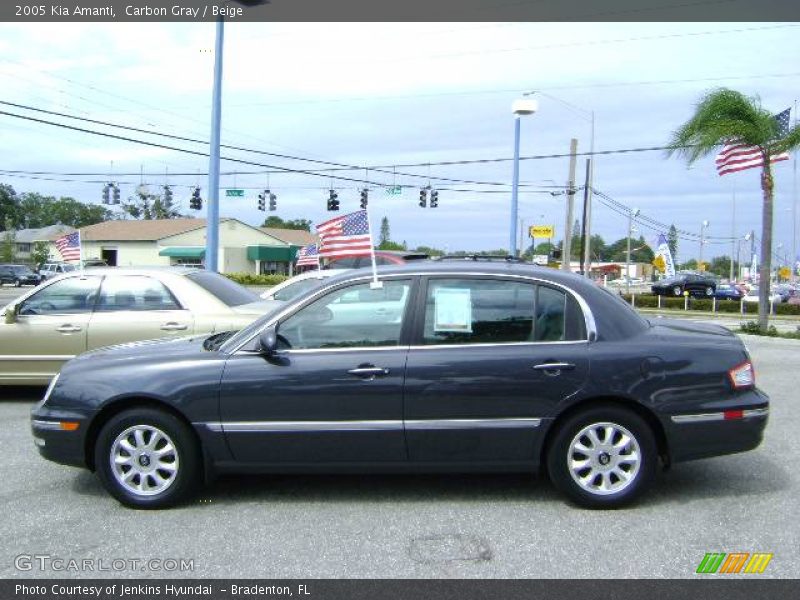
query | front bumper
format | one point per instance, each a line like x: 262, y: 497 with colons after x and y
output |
x: 55, y: 437
x: 735, y: 425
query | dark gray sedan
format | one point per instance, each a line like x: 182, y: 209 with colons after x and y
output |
x: 438, y: 367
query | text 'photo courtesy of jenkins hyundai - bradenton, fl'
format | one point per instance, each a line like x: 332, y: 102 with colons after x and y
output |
x: 443, y: 366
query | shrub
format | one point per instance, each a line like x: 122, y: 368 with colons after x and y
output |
x: 253, y: 279
x: 706, y: 304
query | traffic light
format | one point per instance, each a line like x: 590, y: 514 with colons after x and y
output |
x: 115, y: 188
x: 196, y: 203
x: 364, y: 198
x: 262, y: 200
x: 273, y: 205
x: 333, y: 202
x: 107, y: 194
x: 167, y: 194
x: 423, y: 197
x: 434, y: 198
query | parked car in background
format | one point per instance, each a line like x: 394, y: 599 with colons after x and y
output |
x: 785, y: 291
x: 448, y: 366
x: 18, y: 275
x: 294, y: 286
x: 53, y: 269
x: 728, y: 291
x: 752, y: 296
x: 382, y: 257
x: 76, y: 312
x: 694, y: 283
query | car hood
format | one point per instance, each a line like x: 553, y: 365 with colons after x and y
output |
x: 164, y: 349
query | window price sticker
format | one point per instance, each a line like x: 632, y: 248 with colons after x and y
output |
x: 452, y: 310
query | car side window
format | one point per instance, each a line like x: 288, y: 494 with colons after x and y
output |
x: 68, y: 296
x: 134, y: 292
x: 352, y: 317
x: 495, y: 311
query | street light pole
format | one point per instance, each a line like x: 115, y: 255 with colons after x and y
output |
x: 526, y: 106
x: 633, y: 213
x: 703, y: 227
x: 212, y: 221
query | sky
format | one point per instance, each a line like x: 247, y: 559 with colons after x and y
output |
x: 373, y: 94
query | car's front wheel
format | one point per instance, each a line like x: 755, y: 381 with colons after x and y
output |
x: 147, y: 458
x: 677, y: 291
x: 604, y: 457
x: 17, y: 283
x: 709, y: 291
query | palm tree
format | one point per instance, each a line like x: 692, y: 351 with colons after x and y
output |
x: 724, y: 116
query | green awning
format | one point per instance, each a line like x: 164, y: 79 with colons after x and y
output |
x: 183, y: 251
x: 272, y: 253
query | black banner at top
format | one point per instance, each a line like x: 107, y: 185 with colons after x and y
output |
x: 397, y: 10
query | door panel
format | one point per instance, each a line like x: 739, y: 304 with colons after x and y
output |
x: 51, y: 328
x: 136, y: 307
x: 479, y: 382
x: 335, y: 393
x: 484, y: 403
x: 306, y: 407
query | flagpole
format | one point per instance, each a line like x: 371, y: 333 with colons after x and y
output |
x: 80, y: 251
x: 375, y: 283
x: 794, y: 205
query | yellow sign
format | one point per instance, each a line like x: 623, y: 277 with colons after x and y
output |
x: 659, y: 263
x: 542, y: 231
x: 784, y: 272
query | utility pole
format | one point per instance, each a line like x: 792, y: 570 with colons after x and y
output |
x: 631, y: 215
x: 587, y: 217
x: 212, y: 221
x: 733, y: 232
x: 566, y: 251
x: 585, y: 242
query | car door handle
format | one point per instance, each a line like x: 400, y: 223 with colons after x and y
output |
x: 369, y: 372
x: 174, y: 326
x: 554, y: 368
x: 68, y: 328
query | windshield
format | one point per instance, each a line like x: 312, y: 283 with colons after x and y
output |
x: 21, y: 270
x: 226, y: 291
x: 293, y: 290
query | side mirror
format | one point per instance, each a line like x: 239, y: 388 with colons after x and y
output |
x: 268, y: 341
x: 11, y: 314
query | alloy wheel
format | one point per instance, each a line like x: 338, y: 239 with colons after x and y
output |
x: 604, y: 458
x: 144, y: 460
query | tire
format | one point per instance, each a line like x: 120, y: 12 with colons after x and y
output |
x: 576, y: 431
x: 17, y: 283
x: 136, y: 428
x: 709, y: 291
x: 677, y: 291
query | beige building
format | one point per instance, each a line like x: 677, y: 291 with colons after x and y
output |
x: 26, y: 239
x: 242, y: 248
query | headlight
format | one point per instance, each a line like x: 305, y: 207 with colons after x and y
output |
x: 50, y: 388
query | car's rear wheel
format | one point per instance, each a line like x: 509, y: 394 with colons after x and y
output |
x: 147, y: 458
x: 604, y: 457
x: 709, y: 291
x: 677, y: 291
x: 17, y: 283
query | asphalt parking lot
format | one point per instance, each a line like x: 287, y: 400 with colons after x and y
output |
x: 481, y: 526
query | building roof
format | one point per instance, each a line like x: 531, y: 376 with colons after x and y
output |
x: 141, y: 231
x: 42, y: 234
x: 297, y: 237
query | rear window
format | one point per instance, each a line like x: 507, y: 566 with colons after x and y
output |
x: 226, y: 291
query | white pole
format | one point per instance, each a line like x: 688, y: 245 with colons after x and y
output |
x: 375, y: 283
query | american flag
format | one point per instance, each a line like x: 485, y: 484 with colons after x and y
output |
x: 70, y: 246
x: 308, y: 256
x: 347, y: 235
x: 738, y: 157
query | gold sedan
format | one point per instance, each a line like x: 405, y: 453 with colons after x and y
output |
x: 81, y: 311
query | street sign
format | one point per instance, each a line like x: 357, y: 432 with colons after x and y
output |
x: 395, y: 190
x: 542, y: 231
x: 234, y: 193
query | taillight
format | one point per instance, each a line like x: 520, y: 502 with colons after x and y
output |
x: 743, y: 376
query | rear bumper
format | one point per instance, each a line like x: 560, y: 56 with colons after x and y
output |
x: 56, y: 443
x: 736, y: 425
